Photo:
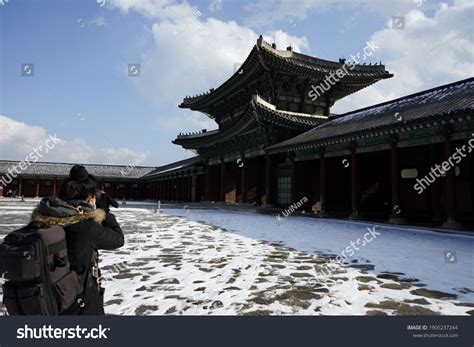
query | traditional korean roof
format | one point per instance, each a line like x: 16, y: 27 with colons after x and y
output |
x: 438, y: 104
x: 61, y: 170
x: 176, y: 166
x: 258, y: 111
x: 267, y: 56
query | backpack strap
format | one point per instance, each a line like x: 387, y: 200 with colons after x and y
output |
x: 85, y: 275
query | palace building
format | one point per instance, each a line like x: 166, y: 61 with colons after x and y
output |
x: 406, y: 160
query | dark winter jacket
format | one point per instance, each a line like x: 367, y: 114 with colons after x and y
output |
x: 87, y: 230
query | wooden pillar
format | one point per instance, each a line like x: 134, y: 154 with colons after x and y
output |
x: 268, y: 180
x: 450, y: 188
x: 20, y: 186
x: 55, y: 185
x: 170, y: 189
x: 243, y: 182
x: 322, y: 184
x: 193, y: 188
x: 354, y: 185
x: 37, y: 191
x: 208, y: 184
x: 186, y: 188
x: 435, y: 191
x: 222, y: 192
x: 292, y: 180
x: 395, y: 216
x: 174, y: 189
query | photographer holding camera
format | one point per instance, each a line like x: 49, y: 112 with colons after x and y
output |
x: 83, y: 212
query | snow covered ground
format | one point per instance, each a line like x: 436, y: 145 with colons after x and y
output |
x: 439, y: 260
x: 202, y: 262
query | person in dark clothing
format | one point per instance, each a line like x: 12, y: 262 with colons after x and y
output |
x: 89, y: 227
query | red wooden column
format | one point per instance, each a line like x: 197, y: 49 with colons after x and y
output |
x: 354, y: 184
x: 55, y: 184
x: 193, y: 188
x: 243, y: 182
x: 322, y: 184
x: 183, y: 188
x: 208, y: 184
x: 186, y: 188
x: 450, y: 188
x: 37, y: 192
x: 395, y: 216
x: 20, y: 186
x: 268, y: 180
x: 292, y: 179
x: 435, y: 189
x: 170, y: 189
x: 222, y: 197
x: 174, y: 186
x: 176, y: 189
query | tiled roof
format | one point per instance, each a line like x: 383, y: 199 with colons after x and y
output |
x: 62, y: 169
x: 297, y: 63
x: 436, y: 102
x: 174, y: 166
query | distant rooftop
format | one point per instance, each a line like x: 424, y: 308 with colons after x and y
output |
x: 174, y: 166
x: 62, y: 169
x: 436, y: 102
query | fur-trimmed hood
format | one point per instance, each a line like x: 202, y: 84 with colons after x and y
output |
x: 54, y: 211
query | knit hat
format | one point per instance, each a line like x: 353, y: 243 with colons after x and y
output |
x: 78, y: 173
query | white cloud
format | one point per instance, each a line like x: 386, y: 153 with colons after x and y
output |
x: 430, y: 51
x: 99, y: 21
x: 19, y: 139
x: 264, y: 12
x: 192, y: 58
x: 158, y: 9
x: 215, y: 5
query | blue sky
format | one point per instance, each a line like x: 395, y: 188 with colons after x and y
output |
x: 81, y: 49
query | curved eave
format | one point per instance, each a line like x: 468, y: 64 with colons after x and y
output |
x: 258, y: 112
x: 288, y: 61
x: 267, y: 113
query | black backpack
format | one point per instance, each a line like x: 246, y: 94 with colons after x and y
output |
x: 36, y: 266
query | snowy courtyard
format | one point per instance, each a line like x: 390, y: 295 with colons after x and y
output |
x: 216, y: 262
